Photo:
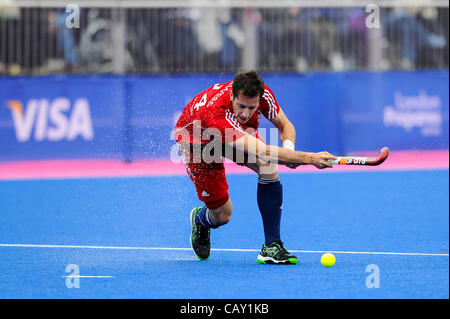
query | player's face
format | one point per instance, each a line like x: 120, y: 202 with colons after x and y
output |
x: 244, y: 107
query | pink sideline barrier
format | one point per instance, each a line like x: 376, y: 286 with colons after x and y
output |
x: 57, y: 169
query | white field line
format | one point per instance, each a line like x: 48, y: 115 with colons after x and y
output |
x: 73, y: 276
x: 219, y: 249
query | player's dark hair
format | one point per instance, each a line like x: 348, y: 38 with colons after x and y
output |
x: 249, y: 84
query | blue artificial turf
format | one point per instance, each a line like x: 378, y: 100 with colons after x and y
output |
x: 391, y: 212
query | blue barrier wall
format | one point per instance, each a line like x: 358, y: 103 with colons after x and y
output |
x: 131, y: 117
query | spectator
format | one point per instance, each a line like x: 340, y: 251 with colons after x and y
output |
x: 219, y: 36
x: 65, y: 40
x: 300, y: 39
x: 409, y: 36
x: 272, y: 30
x: 177, y: 45
x: 8, y: 12
x: 322, y: 38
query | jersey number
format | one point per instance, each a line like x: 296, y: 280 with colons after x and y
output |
x: 201, y: 102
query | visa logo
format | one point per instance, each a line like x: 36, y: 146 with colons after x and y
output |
x: 52, y: 120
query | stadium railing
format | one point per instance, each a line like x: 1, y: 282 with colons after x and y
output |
x: 153, y: 37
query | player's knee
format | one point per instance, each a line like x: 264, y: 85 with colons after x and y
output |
x: 222, y: 215
x: 224, y: 218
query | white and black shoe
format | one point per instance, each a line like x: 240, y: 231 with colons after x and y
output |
x: 275, y: 253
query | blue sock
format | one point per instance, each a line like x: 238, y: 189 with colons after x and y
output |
x: 204, y: 218
x: 270, y: 200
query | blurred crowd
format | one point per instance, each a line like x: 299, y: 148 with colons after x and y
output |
x: 38, y: 41
x: 337, y: 39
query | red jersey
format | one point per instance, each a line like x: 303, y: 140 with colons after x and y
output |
x: 212, y: 108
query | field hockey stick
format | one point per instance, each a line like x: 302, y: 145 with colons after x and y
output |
x: 357, y: 160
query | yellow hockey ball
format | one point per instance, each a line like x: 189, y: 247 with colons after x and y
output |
x: 328, y: 260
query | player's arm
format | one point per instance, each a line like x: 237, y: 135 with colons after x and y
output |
x: 274, y: 154
x: 286, y: 129
x: 287, y: 133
